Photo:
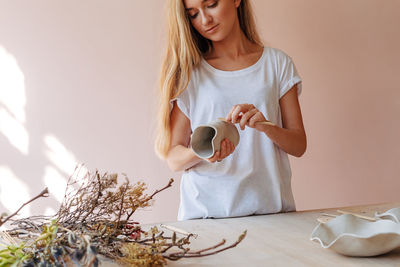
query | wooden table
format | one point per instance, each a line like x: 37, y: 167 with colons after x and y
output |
x: 272, y: 240
x: 275, y: 240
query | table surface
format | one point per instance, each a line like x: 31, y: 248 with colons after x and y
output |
x: 281, y: 239
x: 275, y: 240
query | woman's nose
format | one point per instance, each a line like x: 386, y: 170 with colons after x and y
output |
x: 206, y: 18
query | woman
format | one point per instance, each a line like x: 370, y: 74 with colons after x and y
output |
x: 216, y: 66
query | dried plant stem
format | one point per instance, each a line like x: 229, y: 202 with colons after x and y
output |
x: 162, y: 189
x: 44, y: 193
x: 195, y: 254
x: 151, y: 196
x: 120, y: 210
x: 210, y: 248
x: 143, y: 242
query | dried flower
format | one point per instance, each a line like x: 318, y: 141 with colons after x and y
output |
x: 95, y: 218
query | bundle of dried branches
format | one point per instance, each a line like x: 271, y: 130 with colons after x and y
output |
x: 95, y: 218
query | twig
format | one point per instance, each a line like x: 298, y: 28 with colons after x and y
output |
x: 223, y: 241
x: 150, y: 239
x: 151, y: 196
x: 97, y: 197
x: 44, y: 193
x: 159, y: 190
x: 178, y: 255
x: 121, y: 206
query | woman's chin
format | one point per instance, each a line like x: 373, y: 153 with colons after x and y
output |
x: 216, y: 38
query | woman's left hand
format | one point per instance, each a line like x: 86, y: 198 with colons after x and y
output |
x: 246, y: 115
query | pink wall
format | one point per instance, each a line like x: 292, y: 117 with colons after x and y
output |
x: 78, y: 80
x: 348, y: 55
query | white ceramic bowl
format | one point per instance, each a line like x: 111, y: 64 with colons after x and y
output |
x: 353, y: 236
x: 392, y: 214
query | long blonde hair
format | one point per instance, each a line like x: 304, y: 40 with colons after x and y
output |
x: 184, y: 51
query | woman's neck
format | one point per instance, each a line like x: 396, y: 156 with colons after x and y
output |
x: 235, y: 46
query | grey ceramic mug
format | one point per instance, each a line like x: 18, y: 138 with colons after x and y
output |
x: 206, y: 139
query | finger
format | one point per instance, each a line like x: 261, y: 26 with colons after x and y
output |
x: 232, y: 147
x: 249, y: 114
x: 223, y: 149
x: 211, y: 160
x: 236, y: 114
x: 229, y: 116
x: 214, y: 157
x: 258, y: 117
x: 217, y: 155
x: 228, y: 147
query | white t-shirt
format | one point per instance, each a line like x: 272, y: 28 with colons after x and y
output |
x: 256, y: 177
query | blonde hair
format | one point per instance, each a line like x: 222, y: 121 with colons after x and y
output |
x: 184, y: 51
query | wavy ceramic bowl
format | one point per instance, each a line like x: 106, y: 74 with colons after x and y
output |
x: 206, y: 139
x: 353, y: 236
x: 392, y: 214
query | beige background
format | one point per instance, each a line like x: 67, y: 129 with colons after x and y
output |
x: 78, y: 81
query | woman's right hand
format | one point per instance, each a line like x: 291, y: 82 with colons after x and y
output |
x: 226, y: 148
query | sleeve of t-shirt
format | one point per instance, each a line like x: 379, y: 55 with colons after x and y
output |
x: 287, y: 75
x: 182, y: 101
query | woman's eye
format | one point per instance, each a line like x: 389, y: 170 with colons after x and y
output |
x: 193, y: 16
x: 213, y: 5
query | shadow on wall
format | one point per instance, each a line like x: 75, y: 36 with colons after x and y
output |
x: 60, y: 162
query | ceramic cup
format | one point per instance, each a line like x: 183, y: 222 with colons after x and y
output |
x: 206, y: 139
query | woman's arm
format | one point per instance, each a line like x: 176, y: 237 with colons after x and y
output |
x: 291, y: 138
x: 180, y: 157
